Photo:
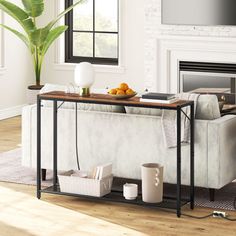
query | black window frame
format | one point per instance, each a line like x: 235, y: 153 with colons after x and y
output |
x: 69, y: 57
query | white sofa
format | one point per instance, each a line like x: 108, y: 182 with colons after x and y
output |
x: 129, y: 140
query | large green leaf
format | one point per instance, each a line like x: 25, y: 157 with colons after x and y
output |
x: 18, y: 14
x: 34, y: 8
x: 53, y: 22
x: 18, y: 34
x: 38, y: 36
x: 52, y: 36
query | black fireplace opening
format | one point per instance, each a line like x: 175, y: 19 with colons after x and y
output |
x: 210, y: 78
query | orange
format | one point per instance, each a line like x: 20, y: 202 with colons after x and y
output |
x: 123, y: 86
x: 120, y: 92
x: 112, y: 91
x: 129, y: 91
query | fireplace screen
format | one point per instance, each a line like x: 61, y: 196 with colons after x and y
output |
x: 192, y: 82
x: 204, y: 77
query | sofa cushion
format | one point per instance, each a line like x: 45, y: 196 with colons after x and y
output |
x: 207, y: 108
x: 81, y: 106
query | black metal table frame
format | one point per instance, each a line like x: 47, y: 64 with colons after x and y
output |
x: 178, y: 109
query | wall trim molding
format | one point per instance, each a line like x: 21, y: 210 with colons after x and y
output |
x: 97, y: 68
x: 11, y: 112
x: 172, y: 49
x: 2, y: 45
x: 59, y: 45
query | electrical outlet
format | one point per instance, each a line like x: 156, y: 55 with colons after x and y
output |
x: 219, y: 214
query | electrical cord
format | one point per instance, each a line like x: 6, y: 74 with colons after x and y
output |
x: 212, y: 214
x: 76, y: 136
x: 76, y: 125
x: 227, y: 218
x: 197, y: 217
x: 76, y: 133
x: 206, y: 216
x: 186, y: 215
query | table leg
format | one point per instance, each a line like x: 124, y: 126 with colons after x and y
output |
x: 55, y: 145
x: 192, y: 157
x: 178, y: 204
x: 38, y: 147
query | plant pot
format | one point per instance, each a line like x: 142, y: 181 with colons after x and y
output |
x: 32, y: 92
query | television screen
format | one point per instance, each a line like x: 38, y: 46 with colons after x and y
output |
x: 199, y: 12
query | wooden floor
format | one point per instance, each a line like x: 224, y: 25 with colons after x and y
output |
x: 10, y: 133
x: 21, y: 214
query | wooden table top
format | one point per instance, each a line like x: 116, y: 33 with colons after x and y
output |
x: 107, y: 99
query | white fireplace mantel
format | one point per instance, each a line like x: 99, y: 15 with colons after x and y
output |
x: 172, y: 49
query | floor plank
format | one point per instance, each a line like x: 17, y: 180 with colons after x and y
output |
x: 10, y: 133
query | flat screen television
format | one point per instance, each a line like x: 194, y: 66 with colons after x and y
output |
x: 199, y: 12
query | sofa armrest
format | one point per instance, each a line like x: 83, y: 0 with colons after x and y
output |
x: 26, y: 137
x: 221, y: 151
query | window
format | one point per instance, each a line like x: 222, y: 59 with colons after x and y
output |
x: 93, y: 32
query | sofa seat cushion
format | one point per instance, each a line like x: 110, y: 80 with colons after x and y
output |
x: 207, y: 108
x: 81, y: 106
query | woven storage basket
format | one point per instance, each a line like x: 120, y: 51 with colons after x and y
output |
x: 84, y: 186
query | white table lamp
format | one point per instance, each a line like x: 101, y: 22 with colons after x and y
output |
x: 84, y: 77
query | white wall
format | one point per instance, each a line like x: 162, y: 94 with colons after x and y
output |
x: 132, y: 52
x: 15, y: 72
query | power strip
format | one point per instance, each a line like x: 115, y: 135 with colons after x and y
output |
x: 219, y: 214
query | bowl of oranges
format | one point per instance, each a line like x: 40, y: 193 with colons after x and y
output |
x: 122, y: 92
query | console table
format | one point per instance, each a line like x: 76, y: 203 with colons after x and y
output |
x: 104, y: 99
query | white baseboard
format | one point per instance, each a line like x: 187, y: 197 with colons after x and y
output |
x: 11, y: 112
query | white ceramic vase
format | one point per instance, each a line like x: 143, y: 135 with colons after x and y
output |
x: 32, y: 92
x: 152, y: 182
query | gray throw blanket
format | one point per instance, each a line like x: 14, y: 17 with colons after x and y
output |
x: 168, y: 121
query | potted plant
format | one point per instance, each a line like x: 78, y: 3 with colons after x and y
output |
x: 37, y: 40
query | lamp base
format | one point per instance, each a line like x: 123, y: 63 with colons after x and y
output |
x: 84, y: 92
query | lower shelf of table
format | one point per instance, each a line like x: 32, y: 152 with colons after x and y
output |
x: 117, y: 196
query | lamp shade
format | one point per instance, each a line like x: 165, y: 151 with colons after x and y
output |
x: 84, y: 75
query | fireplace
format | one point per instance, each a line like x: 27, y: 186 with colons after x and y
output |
x: 207, y: 77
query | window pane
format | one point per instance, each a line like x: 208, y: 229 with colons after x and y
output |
x: 83, y: 15
x: 106, y: 15
x: 83, y: 44
x: 106, y: 45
